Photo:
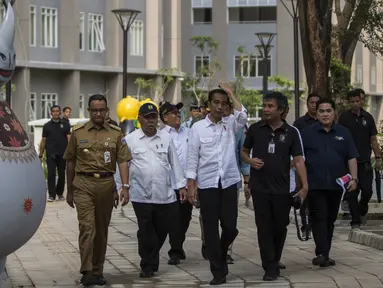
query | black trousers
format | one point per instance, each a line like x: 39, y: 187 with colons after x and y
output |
x: 324, y: 208
x: 56, y: 162
x: 305, y: 208
x: 219, y: 205
x: 360, y: 208
x: 272, y: 219
x: 153, y: 227
x: 180, y: 225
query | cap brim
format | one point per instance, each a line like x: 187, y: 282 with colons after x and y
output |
x: 144, y: 114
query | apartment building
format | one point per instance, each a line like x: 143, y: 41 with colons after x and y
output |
x: 70, y: 49
x: 233, y: 24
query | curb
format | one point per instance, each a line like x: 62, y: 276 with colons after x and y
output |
x: 366, y: 238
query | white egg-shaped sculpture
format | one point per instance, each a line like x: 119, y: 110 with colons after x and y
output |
x: 23, y: 186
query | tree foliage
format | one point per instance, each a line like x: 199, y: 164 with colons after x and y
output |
x: 155, y: 88
x: 199, y: 83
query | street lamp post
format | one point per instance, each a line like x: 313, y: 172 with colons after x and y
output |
x: 293, y: 11
x: 264, y: 49
x: 125, y: 17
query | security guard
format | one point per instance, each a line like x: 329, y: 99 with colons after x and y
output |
x: 92, y: 153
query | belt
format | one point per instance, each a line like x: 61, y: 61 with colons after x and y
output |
x: 96, y: 174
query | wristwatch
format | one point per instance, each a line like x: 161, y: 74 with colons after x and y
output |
x: 355, y: 179
x: 246, y: 182
x: 126, y: 185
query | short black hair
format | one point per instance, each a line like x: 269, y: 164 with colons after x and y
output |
x: 360, y: 90
x: 67, y: 108
x: 219, y: 91
x: 311, y: 95
x: 353, y: 93
x: 97, y: 97
x: 55, y: 106
x: 281, y: 99
x: 326, y: 101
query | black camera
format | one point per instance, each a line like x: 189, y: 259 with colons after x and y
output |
x: 296, y: 201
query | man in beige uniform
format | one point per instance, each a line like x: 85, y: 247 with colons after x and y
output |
x: 92, y: 153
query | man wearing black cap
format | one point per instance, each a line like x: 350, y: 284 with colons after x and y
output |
x: 171, y: 116
x: 154, y: 163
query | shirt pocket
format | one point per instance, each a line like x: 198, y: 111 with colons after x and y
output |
x: 85, y: 151
x: 207, y: 146
x: 139, y: 154
x: 163, y: 156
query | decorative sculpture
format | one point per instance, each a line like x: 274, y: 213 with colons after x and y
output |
x: 23, y: 186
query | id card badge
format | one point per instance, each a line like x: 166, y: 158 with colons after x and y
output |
x: 271, y: 148
x: 107, y: 158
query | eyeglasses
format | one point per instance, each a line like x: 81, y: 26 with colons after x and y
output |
x: 96, y: 111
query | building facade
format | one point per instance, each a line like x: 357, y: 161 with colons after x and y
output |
x: 70, y: 49
x: 233, y: 24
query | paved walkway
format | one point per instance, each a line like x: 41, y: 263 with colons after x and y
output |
x: 51, y: 258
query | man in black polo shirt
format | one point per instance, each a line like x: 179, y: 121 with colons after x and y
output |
x: 330, y: 154
x: 55, y: 138
x: 302, y: 123
x: 273, y: 141
x: 362, y: 127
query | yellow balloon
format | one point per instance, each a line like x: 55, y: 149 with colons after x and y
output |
x: 127, y: 108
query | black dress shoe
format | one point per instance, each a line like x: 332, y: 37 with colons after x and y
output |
x: 278, y: 272
x: 331, y: 262
x: 218, y: 281
x: 319, y: 260
x: 270, y: 276
x: 281, y: 266
x: 174, y: 261
x: 229, y: 259
x: 90, y: 280
x: 101, y: 280
x: 146, y: 274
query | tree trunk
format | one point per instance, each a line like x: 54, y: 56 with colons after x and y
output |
x: 316, y: 27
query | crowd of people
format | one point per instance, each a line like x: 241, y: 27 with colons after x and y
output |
x: 204, y: 163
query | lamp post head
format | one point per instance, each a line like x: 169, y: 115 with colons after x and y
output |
x: 265, y: 39
x: 293, y: 11
x: 126, y: 17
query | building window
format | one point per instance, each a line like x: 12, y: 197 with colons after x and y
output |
x: 373, y: 75
x: 201, y: 65
x: 32, y: 25
x: 49, y: 27
x: 82, y: 30
x: 81, y: 105
x: 252, y: 14
x: 202, y: 3
x: 202, y: 15
x: 137, y: 38
x: 32, y: 110
x: 250, y: 66
x: 251, y: 3
x: 96, y: 33
x: 359, y: 73
x: 47, y: 101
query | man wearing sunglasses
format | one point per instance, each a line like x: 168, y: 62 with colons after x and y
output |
x: 171, y: 116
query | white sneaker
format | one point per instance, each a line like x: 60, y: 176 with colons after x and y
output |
x: 50, y: 199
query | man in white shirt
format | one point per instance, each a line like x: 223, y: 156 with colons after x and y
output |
x: 171, y: 116
x: 212, y: 162
x: 154, y: 161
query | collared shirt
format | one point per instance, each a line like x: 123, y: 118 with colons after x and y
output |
x: 274, y: 176
x: 154, y: 159
x: 180, y: 140
x: 96, y: 149
x: 327, y: 155
x: 362, y: 127
x: 211, y: 151
x: 56, y: 134
x: 187, y: 123
x: 304, y: 122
